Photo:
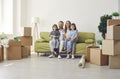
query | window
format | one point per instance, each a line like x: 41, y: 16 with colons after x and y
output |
x: 6, y: 16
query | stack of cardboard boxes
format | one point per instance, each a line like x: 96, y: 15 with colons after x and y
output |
x: 21, y: 48
x: 26, y: 42
x: 111, y: 45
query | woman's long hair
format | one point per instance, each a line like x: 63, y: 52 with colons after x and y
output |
x: 67, y: 26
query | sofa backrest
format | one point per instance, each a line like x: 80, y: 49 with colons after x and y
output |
x: 45, y: 36
x: 82, y: 36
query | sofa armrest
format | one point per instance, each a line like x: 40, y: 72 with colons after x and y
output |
x: 89, y: 41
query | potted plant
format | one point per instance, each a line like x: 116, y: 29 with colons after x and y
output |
x: 99, y: 43
x: 103, y: 24
x: 116, y: 15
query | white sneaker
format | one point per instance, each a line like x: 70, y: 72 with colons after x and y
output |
x: 51, y: 56
x: 59, y: 57
x: 73, y: 56
x: 68, y: 56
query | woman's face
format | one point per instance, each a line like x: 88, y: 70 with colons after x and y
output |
x: 72, y: 27
x: 68, y: 24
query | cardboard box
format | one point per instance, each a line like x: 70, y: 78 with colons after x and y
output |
x: 87, y: 56
x: 111, y: 47
x: 1, y: 53
x: 13, y: 43
x: 27, y: 31
x: 26, y: 41
x: 113, y: 22
x: 14, y: 53
x: 97, y: 58
x: 113, y: 32
x: 25, y: 51
x: 114, y: 62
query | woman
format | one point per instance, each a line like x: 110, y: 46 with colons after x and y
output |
x: 67, y: 35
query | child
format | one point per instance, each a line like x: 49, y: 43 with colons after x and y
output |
x: 71, y: 41
x: 54, y: 41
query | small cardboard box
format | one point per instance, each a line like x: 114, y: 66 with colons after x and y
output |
x: 13, y: 43
x: 14, y: 53
x: 113, y: 32
x: 97, y: 58
x: 26, y: 41
x: 25, y: 51
x: 113, y: 22
x: 114, y: 62
x: 27, y: 31
x: 1, y: 53
x: 87, y: 56
x: 111, y: 47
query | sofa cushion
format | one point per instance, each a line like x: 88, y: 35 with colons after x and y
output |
x: 81, y: 48
x: 89, y: 41
x: 41, y: 40
x: 45, y: 36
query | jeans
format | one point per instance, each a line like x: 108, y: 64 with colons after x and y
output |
x: 70, y: 46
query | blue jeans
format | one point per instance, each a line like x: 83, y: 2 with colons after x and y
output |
x: 70, y: 46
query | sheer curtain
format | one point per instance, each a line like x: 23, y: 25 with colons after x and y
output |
x: 6, y: 16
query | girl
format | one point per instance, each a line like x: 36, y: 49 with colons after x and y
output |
x: 71, y: 41
x: 54, y: 41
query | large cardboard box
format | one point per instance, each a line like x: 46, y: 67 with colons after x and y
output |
x: 25, y: 51
x: 14, y: 53
x: 1, y: 53
x: 113, y: 22
x: 111, y: 47
x: 87, y: 56
x: 27, y: 31
x: 113, y: 32
x: 97, y: 58
x: 26, y: 41
x: 114, y: 62
x: 14, y: 50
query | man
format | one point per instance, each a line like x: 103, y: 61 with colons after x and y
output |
x: 61, y: 38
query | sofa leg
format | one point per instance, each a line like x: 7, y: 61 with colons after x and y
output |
x: 37, y: 53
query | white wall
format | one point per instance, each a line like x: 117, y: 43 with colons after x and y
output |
x: 85, y: 13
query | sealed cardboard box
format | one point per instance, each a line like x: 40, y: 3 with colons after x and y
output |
x: 113, y: 22
x: 26, y: 41
x: 13, y: 43
x: 1, y: 53
x: 113, y: 32
x: 111, y: 47
x: 96, y: 57
x: 87, y: 56
x: 114, y: 62
x: 27, y: 31
x: 14, y: 53
x: 25, y: 51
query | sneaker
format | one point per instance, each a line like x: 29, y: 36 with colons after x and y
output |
x: 73, y: 56
x: 51, y: 56
x: 68, y: 56
x: 59, y: 57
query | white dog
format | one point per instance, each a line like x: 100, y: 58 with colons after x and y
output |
x: 82, y: 61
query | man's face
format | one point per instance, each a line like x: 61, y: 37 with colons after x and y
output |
x: 60, y: 25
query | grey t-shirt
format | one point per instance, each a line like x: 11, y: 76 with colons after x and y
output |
x: 55, y: 33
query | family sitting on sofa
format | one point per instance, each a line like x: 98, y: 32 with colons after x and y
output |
x: 61, y: 38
